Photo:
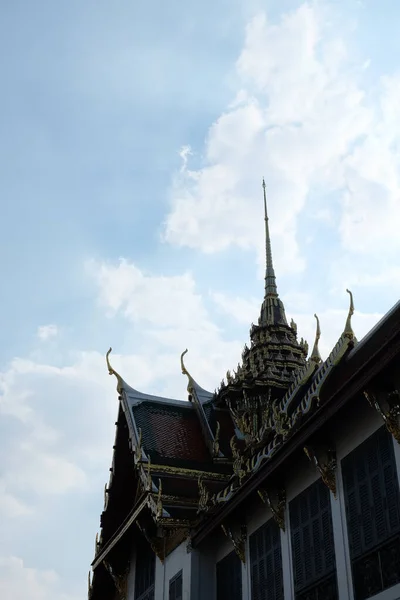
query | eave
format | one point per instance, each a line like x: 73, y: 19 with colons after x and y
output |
x: 361, y: 365
x: 130, y: 519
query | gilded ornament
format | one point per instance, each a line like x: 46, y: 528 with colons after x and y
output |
x: 278, y: 511
x: 293, y: 325
x: 389, y: 410
x: 149, y: 482
x: 238, y: 538
x: 216, y: 448
x: 111, y: 371
x: 186, y: 372
x: 159, y: 510
x: 204, y: 496
x: 281, y: 421
x: 348, y: 330
x: 327, y: 470
x: 138, y: 448
x: 237, y: 460
x: 315, y: 354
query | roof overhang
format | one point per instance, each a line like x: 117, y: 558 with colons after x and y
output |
x: 121, y: 531
x: 359, y: 368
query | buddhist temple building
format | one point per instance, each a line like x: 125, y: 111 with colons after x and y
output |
x: 283, y: 484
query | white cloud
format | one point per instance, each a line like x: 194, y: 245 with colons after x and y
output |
x: 304, y: 117
x: 57, y: 429
x: 17, y: 582
x: 45, y: 332
x: 243, y: 310
x: 170, y: 315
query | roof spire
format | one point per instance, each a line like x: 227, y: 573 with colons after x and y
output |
x: 272, y: 309
x: 270, y: 281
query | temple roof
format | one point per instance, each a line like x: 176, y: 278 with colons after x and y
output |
x: 191, y: 456
x: 171, y: 432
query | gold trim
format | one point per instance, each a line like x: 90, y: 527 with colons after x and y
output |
x: 111, y: 371
x: 216, y: 448
x: 327, y: 470
x: 348, y: 330
x: 204, y: 496
x: 391, y: 417
x: 315, y: 354
x: 159, y: 511
x: 186, y: 372
x: 238, y: 539
x: 138, y: 449
x: 192, y: 473
x: 278, y: 512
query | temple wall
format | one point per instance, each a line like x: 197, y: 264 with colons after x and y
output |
x: 178, y: 560
x: 347, y: 434
x: 199, y: 566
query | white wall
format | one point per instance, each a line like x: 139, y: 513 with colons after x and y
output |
x: 178, y: 560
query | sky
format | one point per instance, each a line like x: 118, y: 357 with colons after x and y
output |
x: 134, y: 138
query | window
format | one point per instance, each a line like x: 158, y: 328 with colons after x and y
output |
x: 266, y: 563
x: 229, y: 578
x: 313, y: 550
x: 145, y: 573
x: 175, y: 587
x: 371, y: 493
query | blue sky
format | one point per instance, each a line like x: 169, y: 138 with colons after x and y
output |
x: 133, y: 143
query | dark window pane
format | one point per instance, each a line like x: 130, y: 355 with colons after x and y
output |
x: 145, y: 573
x: 266, y: 563
x: 175, y: 587
x: 312, y: 541
x: 229, y: 578
x: 371, y: 494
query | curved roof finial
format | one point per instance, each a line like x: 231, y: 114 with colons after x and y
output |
x: 111, y: 371
x: 348, y: 330
x: 186, y: 372
x: 315, y: 354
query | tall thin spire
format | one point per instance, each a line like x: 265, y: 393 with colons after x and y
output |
x: 270, y: 281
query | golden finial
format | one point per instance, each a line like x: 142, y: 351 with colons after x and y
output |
x: 120, y: 381
x: 138, y: 448
x: 149, y: 480
x: 159, y: 501
x: 216, y: 440
x: 186, y: 372
x: 315, y: 355
x: 348, y: 330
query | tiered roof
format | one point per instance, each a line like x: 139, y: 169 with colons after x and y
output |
x: 178, y: 462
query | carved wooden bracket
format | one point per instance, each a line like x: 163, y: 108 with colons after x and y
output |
x: 388, y: 406
x: 326, y: 463
x: 120, y: 581
x: 238, y: 536
x: 204, y: 496
x: 157, y: 543
x: 278, y: 511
